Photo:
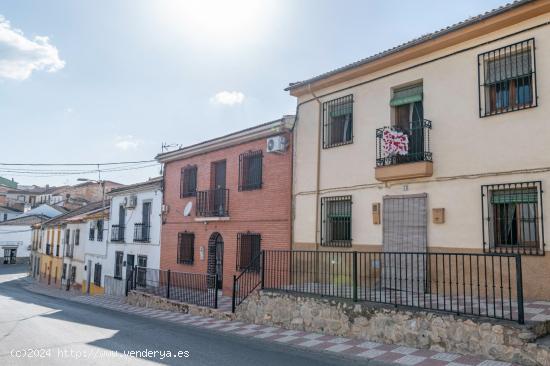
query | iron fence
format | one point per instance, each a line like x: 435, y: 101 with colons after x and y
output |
x: 142, y: 233
x: 213, y: 203
x: 117, y: 233
x: 485, y: 285
x: 398, y: 145
x: 247, y: 281
x: 191, y: 288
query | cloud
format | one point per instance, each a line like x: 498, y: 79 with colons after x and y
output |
x: 228, y: 98
x: 20, y: 56
x: 127, y: 142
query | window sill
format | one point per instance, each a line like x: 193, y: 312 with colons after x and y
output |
x: 330, y: 146
x: 186, y: 262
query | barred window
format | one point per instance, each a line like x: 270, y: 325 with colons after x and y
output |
x: 73, y: 273
x: 186, y: 248
x: 338, y: 122
x: 248, y: 251
x: 97, y: 274
x: 77, y: 237
x: 64, y: 272
x: 507, y: 79
x: 92, y: 233
x: 188, y: 183
x: 512, y: 218
x: 336, y: 221
x: 119, y: 256
x: 99, y: 230
x: 250, y: 170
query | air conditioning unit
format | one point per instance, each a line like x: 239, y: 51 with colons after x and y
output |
x: 277, y: 144
x: 131, y: 202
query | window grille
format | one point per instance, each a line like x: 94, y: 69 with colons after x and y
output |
x: 338, y: 122
x: 188, y: 183
x: 248, y: 249
x: 336, y: 221
x: 186, y: 248
x: 250, y: 170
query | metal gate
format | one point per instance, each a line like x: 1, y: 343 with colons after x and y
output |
x: 405, y: 221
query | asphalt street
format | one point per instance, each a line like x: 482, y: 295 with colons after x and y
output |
x: 37, y: 329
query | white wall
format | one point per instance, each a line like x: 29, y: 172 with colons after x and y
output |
x: 16, y: 235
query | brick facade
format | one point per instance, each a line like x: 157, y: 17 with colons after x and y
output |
x: 265, y: 211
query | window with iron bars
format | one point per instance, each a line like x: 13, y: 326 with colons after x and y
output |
x: 73, y: 273
x: 64, y: 272
x: 248, y: 250
x: 338, y: 122
x: 250, y: 170
x: 512, y: 218
x: 507, y: 79
x: 97, y: 274
x: 99, y: 230
x: 336, y: 221
x: 188, y: 182
x: 186, y: 248
x: 77, y: 237
x: 92, y: 233
x: 119, y: 256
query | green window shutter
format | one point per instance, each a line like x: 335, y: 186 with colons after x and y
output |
x: 341, y: 110
x: 514, y: 196
x: 406, y: 96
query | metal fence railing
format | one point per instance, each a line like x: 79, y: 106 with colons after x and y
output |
x: 486, y: 285
x: 192, y: 288
x: 142, y: 233
x: 117, y: 233
x: 213, y: 203
x: 247, y: 281
x: 398, y: 145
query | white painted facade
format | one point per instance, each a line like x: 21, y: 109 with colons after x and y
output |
x: 16, y: 237
x: 140, y: 252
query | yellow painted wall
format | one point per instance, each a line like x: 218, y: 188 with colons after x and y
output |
x: 94, y: 289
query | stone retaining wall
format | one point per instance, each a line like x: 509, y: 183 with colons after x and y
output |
x: 146, y: 300
x: 506, y: 341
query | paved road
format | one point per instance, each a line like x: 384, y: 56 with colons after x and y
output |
x: 61, y: 332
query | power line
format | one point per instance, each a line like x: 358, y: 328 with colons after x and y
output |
x: 78, y: 164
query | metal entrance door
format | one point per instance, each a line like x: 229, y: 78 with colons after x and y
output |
x: 215, y: 257
x: 405, y: 221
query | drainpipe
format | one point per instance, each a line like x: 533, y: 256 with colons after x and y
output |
x: 318, y: 175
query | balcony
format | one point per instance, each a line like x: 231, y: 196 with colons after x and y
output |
x: 117, y: 233
x: 69, y: 251
x: 213, y: 203
x: 49, y: 250
x: 404, y: 153
x: 142, y: 233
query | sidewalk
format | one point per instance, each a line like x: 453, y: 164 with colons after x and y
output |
x: 359, y: 349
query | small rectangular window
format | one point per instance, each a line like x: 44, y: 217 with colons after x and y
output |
x: 338, y: 122
x: 336, y: 221
x: 77, y: 237
x: 512, y: 218
x: 118, y: 264
x: 99, y: 230
x: 507, y: 79
x: 64, y: 273
x: 248, y: 251
x: 186, y: 248
x: 188, y: 182
x: 250, y: 170
x: 92, y: 233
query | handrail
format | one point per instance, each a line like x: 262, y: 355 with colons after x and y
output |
x: 249, y: 283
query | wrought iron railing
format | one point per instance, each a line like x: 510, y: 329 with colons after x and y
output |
x: 213, y: 203
x: 398, y: 145
x: 247, y: 281
x: 49, y: 249
x: 117, y: 233
x: 69, y: 250
x: 191, y: 288
x: 485, y: 285
x: 142, y: 233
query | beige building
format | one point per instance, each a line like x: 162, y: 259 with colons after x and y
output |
x: 439, y: 144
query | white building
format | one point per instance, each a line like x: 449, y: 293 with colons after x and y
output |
x: 82, y: 232
x: 16, y: 233
x: 134, y: 236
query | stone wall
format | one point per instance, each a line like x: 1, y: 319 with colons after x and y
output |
x: 146, y: 300
x: 506, y: 341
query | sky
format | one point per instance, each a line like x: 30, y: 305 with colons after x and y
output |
x: 93, y: 81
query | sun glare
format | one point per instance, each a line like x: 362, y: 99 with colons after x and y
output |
x: 218, y: 22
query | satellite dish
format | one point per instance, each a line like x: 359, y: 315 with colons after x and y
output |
x: 187, y: 209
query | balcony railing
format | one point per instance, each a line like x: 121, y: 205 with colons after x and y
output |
x: 398, y: 145
x: 117, y: 233
x: 213, y: 203
x: 142, y: 233
x: 48, y: 249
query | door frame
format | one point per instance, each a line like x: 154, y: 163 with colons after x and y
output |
x: 215, y: 257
